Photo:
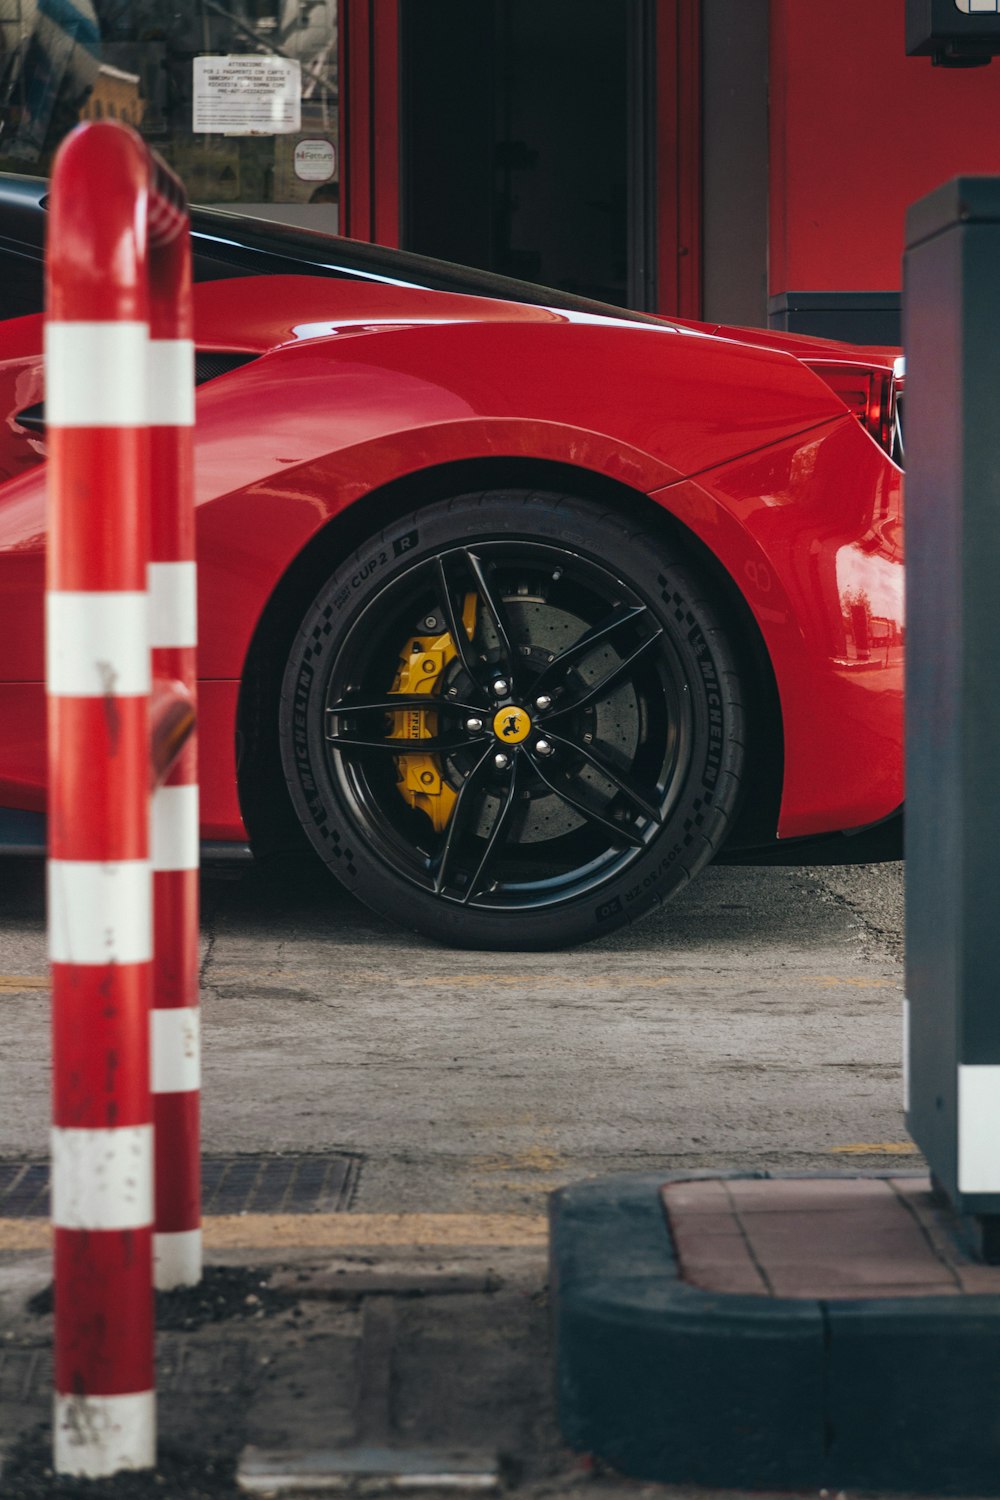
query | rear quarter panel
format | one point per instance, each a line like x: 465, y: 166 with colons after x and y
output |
x: 341, y: 405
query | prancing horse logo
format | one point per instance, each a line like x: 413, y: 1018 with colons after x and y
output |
x: 512, y: 725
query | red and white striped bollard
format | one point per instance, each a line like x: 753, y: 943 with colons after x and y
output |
x: 173, y: 612
x: 113, y: 212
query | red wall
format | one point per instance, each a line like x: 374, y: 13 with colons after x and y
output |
x: 858, y: 131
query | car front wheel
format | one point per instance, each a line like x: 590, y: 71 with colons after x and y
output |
x: 513, y: 721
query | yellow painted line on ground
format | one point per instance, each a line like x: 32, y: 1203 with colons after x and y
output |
x: 840, y: 981
x: 618, y: 980
x: 535, y: 1159
x: 336, y: 1230
x: 564, y: 979
x: 25, y: 1234
x: 329, y: 1231
x: 875, y: 1148
x: 218, y: 975
x: 19, y: 984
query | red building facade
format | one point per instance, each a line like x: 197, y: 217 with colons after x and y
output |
x: 767, y: 149
x: 857, y: 131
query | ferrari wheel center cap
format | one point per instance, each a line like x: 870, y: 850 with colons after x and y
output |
x: 511, y: 725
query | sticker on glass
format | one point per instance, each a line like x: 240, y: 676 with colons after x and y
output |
x: 315, y: 161
x: 247, y: 95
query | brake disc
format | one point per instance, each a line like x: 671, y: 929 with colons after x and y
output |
x: 544, y: 630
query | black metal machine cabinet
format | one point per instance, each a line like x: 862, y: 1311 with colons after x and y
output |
x: 952, y: 338
x: 953, y: 33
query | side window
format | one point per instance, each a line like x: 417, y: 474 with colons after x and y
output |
x: 22, y: 283
x: 209, y: 268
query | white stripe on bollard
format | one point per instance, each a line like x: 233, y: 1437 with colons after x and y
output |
x: 979, y: 1128
x: 174, y: 843
x: 177, y: 1259
x: 102, y: 1179
x: 97, y: 1435
x: 175, y: 1040
x: 171, y: 383
x: 173, y: 604
x: 97, y: 645
x: 95, y: 374
x: 100, y: 913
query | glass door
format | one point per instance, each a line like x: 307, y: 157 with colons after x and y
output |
x: 526, y: 140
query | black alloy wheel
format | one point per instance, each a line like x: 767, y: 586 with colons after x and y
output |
x: 512, y: 722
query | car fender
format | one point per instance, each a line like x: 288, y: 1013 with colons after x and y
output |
x: 831, y: 615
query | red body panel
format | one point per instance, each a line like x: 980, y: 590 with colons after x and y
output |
x: 823, y: 578
x: 364, y: 384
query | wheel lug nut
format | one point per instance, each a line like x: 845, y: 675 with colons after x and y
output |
x: 543, y: 702
x: 501, y: 687
x: 542, y: 747
x: 501, y: 761
x: 473, y: 725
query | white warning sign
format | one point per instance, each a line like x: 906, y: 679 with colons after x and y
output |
x: 247, y: 95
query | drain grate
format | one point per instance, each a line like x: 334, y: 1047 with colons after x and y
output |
x: 24, y: 1190
x: 229, y: 1185
x: 277, y: 1184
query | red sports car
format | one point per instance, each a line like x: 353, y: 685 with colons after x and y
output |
x: 523, y: 609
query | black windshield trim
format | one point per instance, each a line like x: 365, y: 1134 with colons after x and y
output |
x: 226, y: 243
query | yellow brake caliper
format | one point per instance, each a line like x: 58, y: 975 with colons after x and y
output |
x: 419, y: 779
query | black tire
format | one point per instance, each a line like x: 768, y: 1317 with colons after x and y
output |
x: 620, y: 788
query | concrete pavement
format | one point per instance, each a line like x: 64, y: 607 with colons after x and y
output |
x: 753, y: 1025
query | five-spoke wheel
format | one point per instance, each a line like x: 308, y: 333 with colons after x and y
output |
x: 512, y: 723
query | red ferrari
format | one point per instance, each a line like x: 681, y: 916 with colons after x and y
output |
x: 518, y: 609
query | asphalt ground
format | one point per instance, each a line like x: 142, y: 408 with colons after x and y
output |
x: 752, y: 1025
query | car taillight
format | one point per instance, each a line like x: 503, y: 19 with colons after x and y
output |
x: 871, y: 394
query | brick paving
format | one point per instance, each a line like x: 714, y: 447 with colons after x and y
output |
x: 821, y: 1238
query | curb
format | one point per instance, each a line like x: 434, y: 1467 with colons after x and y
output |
x: 665, y: 1381
x: 374, y: 1469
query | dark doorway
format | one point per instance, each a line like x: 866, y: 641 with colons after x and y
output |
x: 523, y: 140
